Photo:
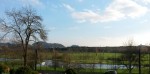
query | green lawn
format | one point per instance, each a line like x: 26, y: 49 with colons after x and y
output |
x: 81, y: 57
x: 101, y: 71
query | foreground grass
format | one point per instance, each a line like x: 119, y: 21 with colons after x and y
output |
x: 100, y: 71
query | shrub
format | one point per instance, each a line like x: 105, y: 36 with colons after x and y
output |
x: 1, y: 70
x: 111, y: 72
x: 70, y: 71
x: 4, y: 68
x: 24, y: 70
x: 31, y: 64
x: 35, y: 72
x: 12, y: 71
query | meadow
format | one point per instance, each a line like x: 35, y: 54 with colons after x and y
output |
x: 78, y: 58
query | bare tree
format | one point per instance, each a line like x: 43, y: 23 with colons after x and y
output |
x: 130, y: 56
x: 24, y: 25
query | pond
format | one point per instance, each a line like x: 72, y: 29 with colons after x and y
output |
x: 81, y: 65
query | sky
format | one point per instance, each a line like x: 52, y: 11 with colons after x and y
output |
x: 90, y: 22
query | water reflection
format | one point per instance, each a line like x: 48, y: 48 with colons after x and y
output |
x: 96, y: 66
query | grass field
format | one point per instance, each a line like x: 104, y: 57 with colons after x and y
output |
x: 100, y: 71
x: 80, y: 57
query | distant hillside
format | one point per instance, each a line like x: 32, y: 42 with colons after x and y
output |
x: 6, y: 44
x: 74, y: 46
x: 48, y: 45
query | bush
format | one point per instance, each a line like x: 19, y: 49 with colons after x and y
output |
x: 31, y: 64
x: 4, y: 68
x: 12, y: 71
x: 110, y: 72
x: 24, y: 70
x: 35, y: 72
x: 1, y: 70
x: 70, y: 71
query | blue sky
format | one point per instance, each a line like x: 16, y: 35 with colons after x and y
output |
x: 90, y: 22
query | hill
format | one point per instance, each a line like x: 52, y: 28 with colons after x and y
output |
x: 46, y: 45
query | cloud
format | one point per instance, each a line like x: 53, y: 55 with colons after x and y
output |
x: 35, y: 3
x: 86, y: 16
x: 117, y: 10
x: 146, y: 2
x: 69, y: 7
x: 128, y: 8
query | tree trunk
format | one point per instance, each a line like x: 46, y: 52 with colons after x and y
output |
x: 25, y: 55
x: 130, y: 67
x: 25, y: 58
x: 36, y: 58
